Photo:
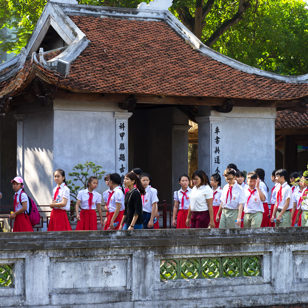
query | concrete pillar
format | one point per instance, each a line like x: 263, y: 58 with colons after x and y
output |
x: 245, y: 137
x: 20, y: 168
x: 121, y: 142
x: 179, y: 153
x: 210, y: 140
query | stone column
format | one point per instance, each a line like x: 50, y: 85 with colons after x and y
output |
x: 210, y: 140
x: 179, y: 153
x: 121, y: 142
x: 20, y: 166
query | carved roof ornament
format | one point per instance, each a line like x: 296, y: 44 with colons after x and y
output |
x: 155, y: 5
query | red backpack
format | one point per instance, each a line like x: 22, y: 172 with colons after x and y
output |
x: 34, y: 215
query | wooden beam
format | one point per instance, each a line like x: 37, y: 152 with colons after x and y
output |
x: 292, y: 131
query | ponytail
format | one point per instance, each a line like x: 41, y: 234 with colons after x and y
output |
x: 132, y: 176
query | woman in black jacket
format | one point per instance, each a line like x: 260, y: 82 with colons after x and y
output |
x: 133, y: 214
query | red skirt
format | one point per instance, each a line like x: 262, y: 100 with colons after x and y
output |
x: 22, y: 223
x: 59, y: 221
x: 299, y: 221
x: 242, y: 223
x: 181, y: 219
x: 118, y: 219
x: 88, y: 220
x: 265, y: 220
x: 215, y: 210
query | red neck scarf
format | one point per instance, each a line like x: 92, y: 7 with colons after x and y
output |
x: 279, y: 195
x: 56, y: 193
x: 229, y: 192
x: 90, y: 200
x: 109, y: 198
x: 293, y: 189
x: 251, y: 193
x: 184, y: 194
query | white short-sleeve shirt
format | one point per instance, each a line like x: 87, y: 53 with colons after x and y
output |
x: 244, y: 185
x: 198, y: 197
x: 64, y: 192
x: 232, y: 202
x: 105, y: 195
x: 21, y: 198
x: 286, y: 194
x: 149, y: 199
x: 83, y: 196
x: 296, y: 197
x: 217, y: 196
x: 274, y: 193
x: 264, y: 187
x: 304, y: 203
x: 178, y: 196
x: 254, y: 204
x: 117, y: 197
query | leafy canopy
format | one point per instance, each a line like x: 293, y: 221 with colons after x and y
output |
x: 268, y: 34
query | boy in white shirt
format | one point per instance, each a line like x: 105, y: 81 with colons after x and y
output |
x: 254, y: 203
x: 283, y: 202
x: 232, y: 200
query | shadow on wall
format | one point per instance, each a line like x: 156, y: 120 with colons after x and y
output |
x: 38, y: 171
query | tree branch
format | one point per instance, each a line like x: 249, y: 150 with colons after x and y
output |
x: 207, y: 8
x: 186, y: 18
x: 244, y: 5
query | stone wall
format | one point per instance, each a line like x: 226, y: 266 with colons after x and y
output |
x: 156, y: 268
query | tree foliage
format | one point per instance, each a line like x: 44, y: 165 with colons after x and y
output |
x: 268, y: 34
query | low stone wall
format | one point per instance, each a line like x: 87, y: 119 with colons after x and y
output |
x: 155, y: 268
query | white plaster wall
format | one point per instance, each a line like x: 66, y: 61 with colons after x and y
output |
x: 84, y: 131
x: 38, y: 155
x: 248, y: 140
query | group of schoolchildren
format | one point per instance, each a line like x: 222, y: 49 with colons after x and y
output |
x: 134, y: 206
x: 89, y: 201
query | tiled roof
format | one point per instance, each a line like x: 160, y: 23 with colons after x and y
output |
x: 149, y: 57
x: 291, y: 119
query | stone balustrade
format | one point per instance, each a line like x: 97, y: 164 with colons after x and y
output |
x: 155, y: 268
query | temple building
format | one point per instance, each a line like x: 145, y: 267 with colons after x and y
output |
x: 118, y: 87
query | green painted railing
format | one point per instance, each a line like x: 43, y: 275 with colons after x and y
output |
x: 204, y: 268
x: 6, y: 275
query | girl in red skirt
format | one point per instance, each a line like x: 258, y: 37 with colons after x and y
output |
x: 266, y: 218
x: 22, y: 222
x: 60, y: 204
x: 181, y: 203
x: 215, y: 184
x: 89, y: 200
x: 115, y: 203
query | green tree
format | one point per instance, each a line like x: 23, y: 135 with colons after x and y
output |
x: 268, y: 34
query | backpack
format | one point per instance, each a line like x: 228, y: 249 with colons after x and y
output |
x: 34, y: 215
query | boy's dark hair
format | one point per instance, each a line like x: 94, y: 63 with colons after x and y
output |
x: 184, y: 175
x: 91, y: 178
x: 284, y: 173
x: 274, y: 172
x: 202, y: 175
x: 232, y: 166
x: 138, y: 171
x: 62, y: 172
x: 217, y: 178
x: 252, y: 175
x: 239, y: 174
x: 115, y: 178
x: 229, y: 171
x: 107, y: 177
x: 294, y: 175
